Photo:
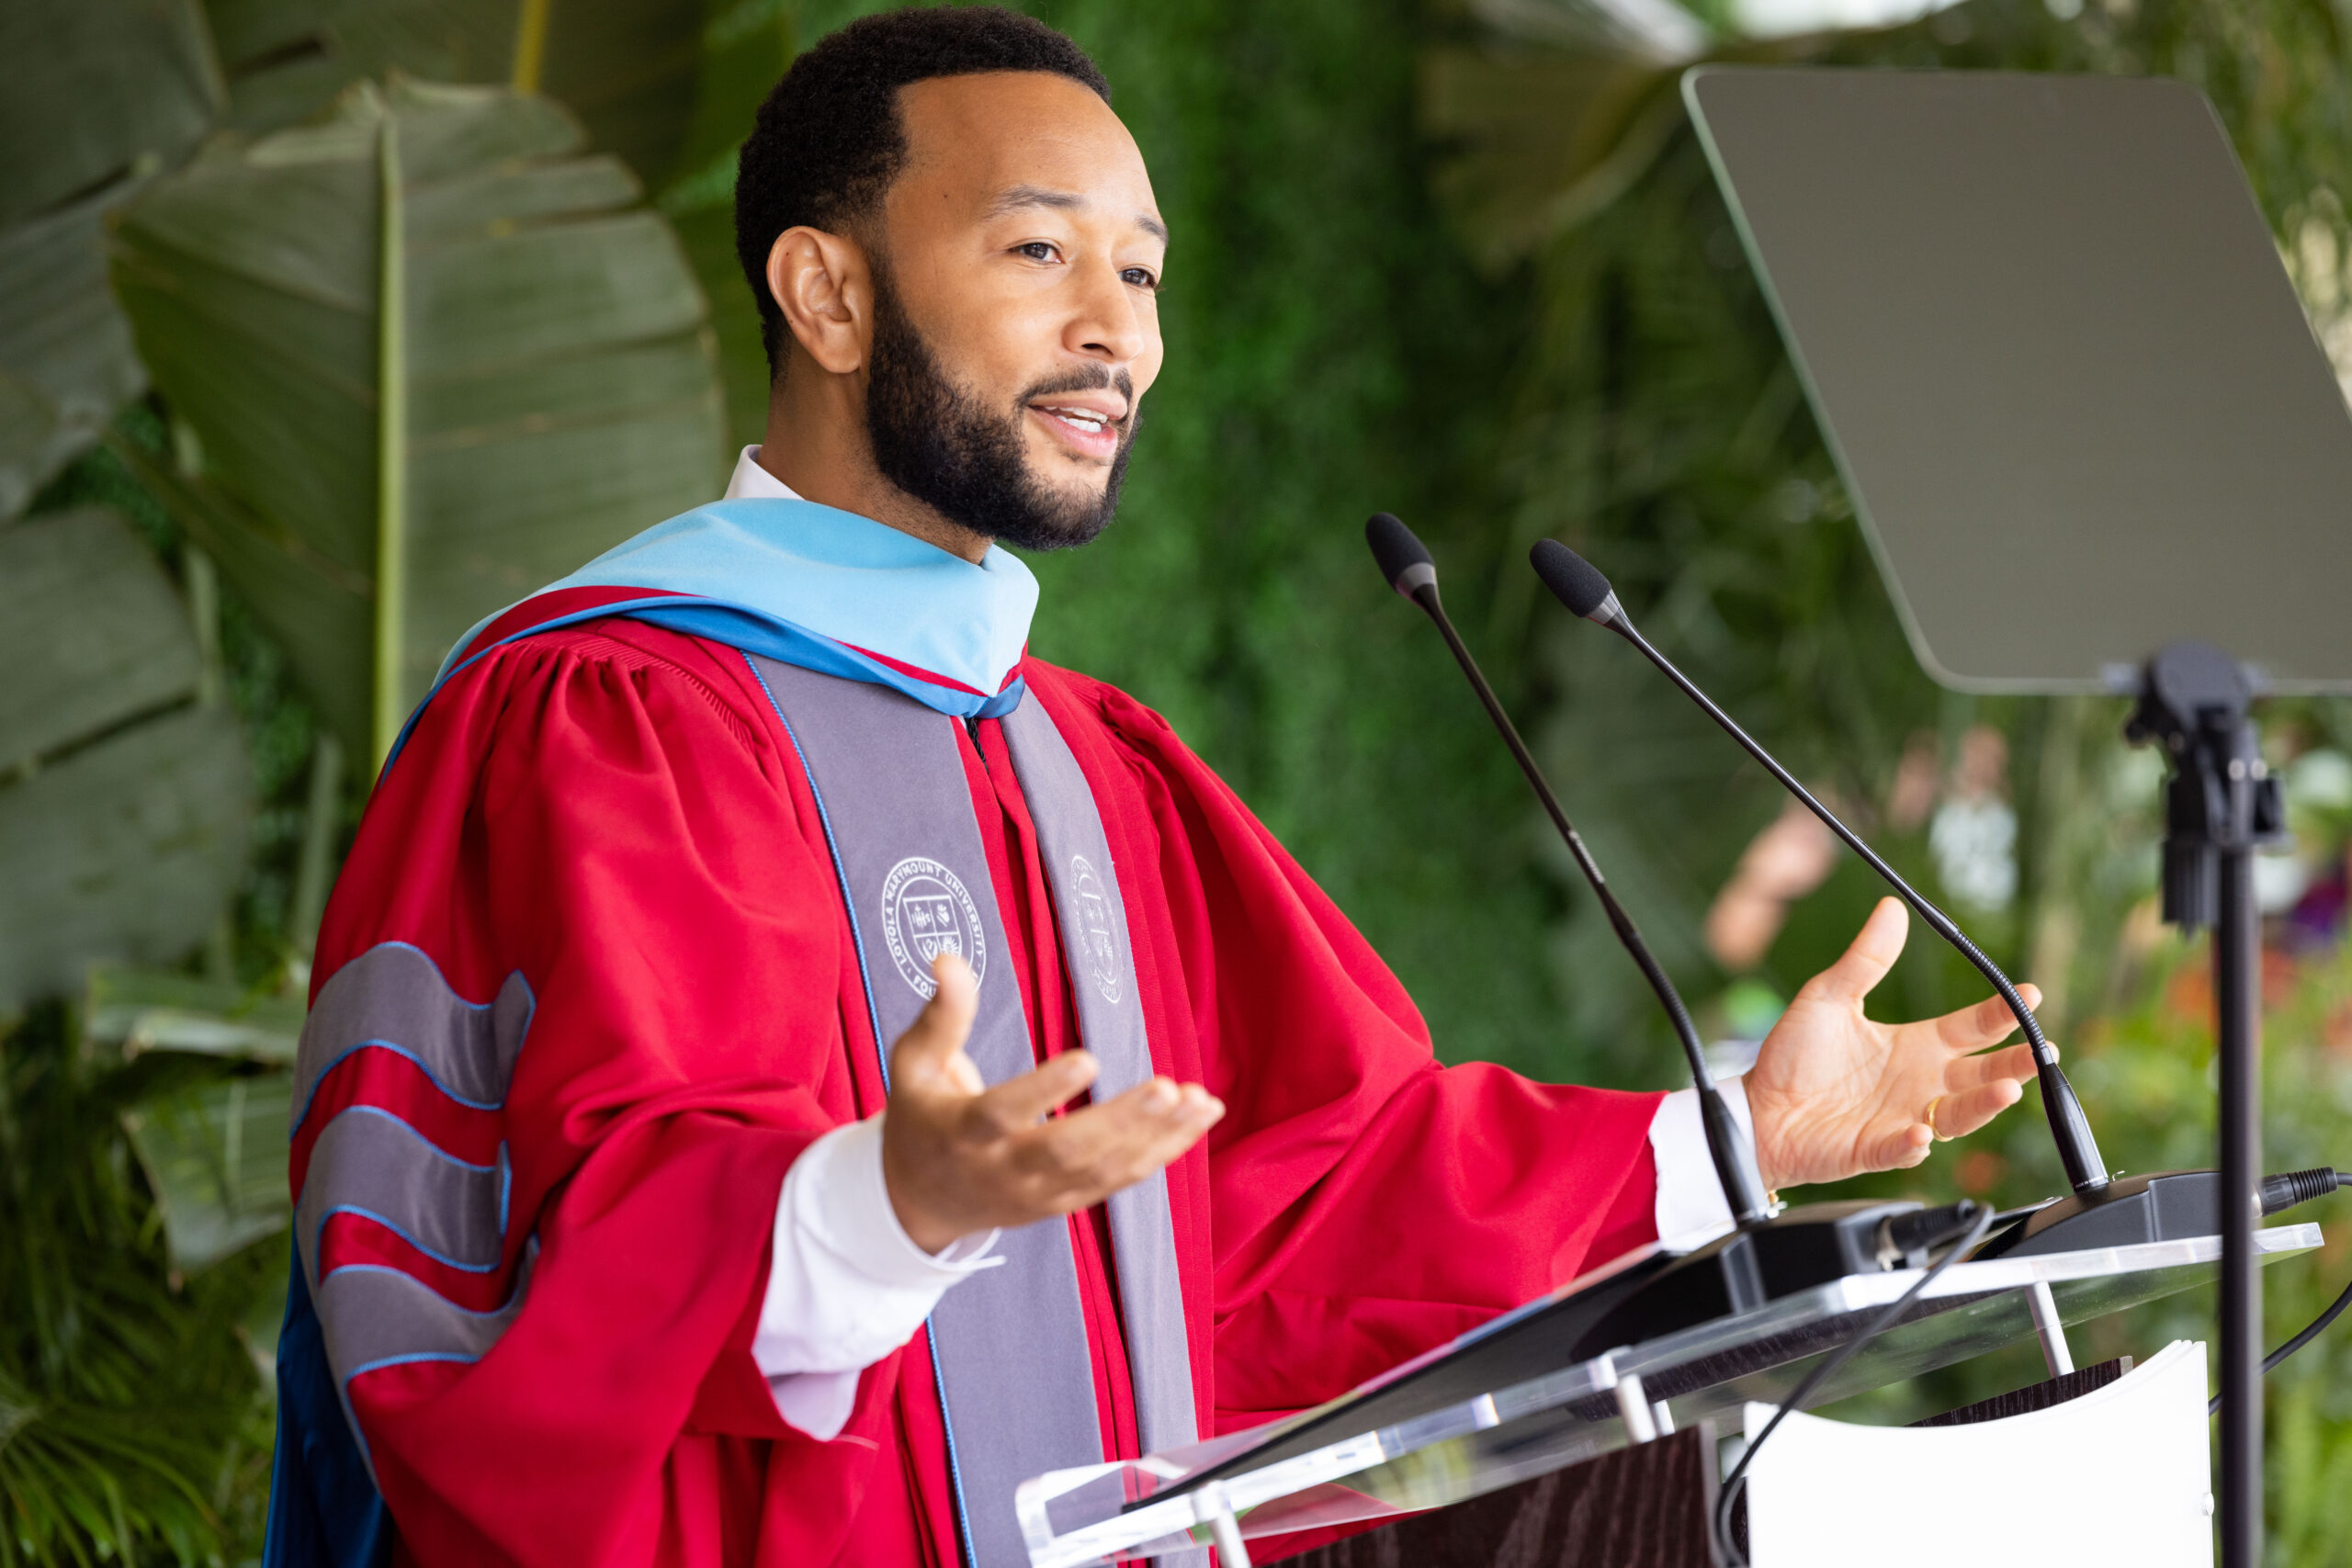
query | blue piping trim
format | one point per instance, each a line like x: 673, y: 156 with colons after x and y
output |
x: 955, y: 1465
x: 344, y: 1392
x: 874, y: 1018
x: 412, y: 1355
x: 452, y: 990
x: 411, y: 947
x: 366, y: 1213
x: 531, y: 1013
x: 490, y: 1268
x: 404, y: 1274
x: 404, y: 1360
x: 403, y: 1122
x: 355, y: 1048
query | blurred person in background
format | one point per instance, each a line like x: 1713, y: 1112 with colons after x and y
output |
x: 1973, y: 834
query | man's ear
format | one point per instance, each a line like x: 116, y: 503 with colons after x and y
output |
x: 825, y: 289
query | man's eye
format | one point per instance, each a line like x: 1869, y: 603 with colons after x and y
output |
x: 1036, y: 250
x: 1141, y: 277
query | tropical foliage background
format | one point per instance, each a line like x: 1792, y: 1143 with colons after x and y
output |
x: 328, y: 326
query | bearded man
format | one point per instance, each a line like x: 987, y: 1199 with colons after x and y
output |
x: 787, y: 1066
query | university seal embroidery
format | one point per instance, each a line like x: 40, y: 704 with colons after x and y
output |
x: 1095, y: 940
x: 926, y: 912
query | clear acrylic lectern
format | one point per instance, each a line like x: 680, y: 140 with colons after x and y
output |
x: 1213, y: 1493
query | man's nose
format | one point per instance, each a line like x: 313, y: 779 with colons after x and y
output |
x: 1108, y: 323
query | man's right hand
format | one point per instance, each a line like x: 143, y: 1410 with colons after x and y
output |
x: 960, y: 1157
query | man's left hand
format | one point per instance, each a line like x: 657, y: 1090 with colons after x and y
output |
x: 1835, y: 1095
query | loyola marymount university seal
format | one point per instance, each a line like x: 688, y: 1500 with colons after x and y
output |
x: 1096, y: 941
x: 926, y: 912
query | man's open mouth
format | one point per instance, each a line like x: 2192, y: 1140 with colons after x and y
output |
x: 1086, y: 422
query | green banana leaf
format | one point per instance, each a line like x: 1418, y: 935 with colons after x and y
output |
x: 1560, y: 106
x: 125, y: 800
x: 627, y: 67
x: 373, y: 477
x: 669, y: 86
x: 131, y: 1011
x: 95, y: 95
x: 215, y: 1158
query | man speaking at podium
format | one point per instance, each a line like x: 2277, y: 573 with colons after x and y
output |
x: 788, y: 1066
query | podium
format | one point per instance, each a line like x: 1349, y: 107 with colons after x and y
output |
x: 1330, y: 1466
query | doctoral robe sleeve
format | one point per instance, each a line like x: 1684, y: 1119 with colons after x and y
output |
x: 602, y: 829
x: 1365, y: 1203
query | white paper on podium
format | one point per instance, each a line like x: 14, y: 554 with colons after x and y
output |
x: 2120, y: 1474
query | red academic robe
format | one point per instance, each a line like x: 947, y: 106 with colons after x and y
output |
x: 614, y: 811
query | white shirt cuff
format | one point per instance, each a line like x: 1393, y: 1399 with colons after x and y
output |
x: 1690, y: 1203
x: 846, y: 1284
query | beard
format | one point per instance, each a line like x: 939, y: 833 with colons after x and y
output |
x: 948, y: 449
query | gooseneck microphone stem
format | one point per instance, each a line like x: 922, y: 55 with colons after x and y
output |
x: 1724, y: 1138
x: 1418, y: 582
x: 2077, y: 1149
x: 2086, y: 1171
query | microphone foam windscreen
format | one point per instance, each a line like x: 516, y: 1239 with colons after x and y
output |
x: 1394, y: 545
x: 1577, y: 580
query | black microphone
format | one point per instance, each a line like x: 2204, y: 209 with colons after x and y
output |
x: 1580, y: 585
x: 1404, y: 562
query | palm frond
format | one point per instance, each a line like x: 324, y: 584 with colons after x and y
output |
x: 125, y: 1385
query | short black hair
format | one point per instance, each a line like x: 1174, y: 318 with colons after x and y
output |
x: 829, y: 140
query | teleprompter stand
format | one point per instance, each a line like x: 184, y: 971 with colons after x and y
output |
x: 2220, y: 805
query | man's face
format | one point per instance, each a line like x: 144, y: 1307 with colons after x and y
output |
x: 1016, y: 326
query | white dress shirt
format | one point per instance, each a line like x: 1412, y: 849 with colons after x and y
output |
x: 847, y: 1286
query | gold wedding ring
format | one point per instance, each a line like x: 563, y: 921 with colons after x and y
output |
x: 1930, y: 1118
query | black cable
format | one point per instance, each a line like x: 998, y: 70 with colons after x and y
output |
x: 2311, y: 1331
x: 1814, y: 1378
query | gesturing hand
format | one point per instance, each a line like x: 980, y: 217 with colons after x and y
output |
x: 1834, y: 1094
x: 960, y: 1157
